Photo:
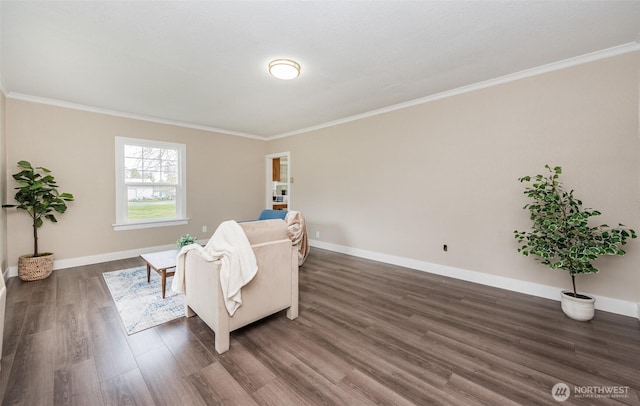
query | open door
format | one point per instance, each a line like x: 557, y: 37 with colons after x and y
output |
x: 278, y: 181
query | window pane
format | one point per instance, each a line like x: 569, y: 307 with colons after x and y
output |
x: 149, y: 183
x: 133, y: 170
x: 132, y: 151
x: 151, y: 202
x: 150, y: 165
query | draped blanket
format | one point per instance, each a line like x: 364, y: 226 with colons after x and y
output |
x: 297, y: 232
x: 230, y: 245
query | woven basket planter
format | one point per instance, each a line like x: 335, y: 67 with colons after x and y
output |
x: 32, y: 268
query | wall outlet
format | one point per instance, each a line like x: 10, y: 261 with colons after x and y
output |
x: 204, y: 229
x: 317, y: 234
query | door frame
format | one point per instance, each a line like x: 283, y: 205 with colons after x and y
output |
x: 269, y: 178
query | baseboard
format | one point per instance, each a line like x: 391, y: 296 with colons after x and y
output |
x: 96, y: 259
x: 608, y: 304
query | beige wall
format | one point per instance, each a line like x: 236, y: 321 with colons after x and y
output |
x: 402, y: 183
x: 405, y: 183
x: 225, y: 178
x: 3, y: 187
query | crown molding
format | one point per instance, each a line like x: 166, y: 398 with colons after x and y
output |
x: 554, y: 66
x: 82, y: 107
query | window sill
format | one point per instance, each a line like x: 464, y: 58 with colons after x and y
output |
x: 150, y: 224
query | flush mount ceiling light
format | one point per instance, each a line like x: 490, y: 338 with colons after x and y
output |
x: 284, y: 69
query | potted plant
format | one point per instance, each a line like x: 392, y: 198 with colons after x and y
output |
x: 562, y: 238
x: 186, y: 239
x: 38, y: 195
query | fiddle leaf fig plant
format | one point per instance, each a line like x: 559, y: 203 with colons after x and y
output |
x: 561, y: 236
x: 38, y: 195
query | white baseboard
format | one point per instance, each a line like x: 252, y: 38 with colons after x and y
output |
x: 604, y: 303
x: 608, y: 304
x: 96, y: 259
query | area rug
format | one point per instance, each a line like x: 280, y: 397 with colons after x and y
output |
x: 139, y: 302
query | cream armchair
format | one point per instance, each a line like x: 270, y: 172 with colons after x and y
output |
x: 274, y: 288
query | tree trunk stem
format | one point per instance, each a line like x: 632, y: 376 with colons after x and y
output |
x: 35, y: 237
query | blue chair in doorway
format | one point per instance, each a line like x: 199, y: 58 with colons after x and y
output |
x: 268, y: 214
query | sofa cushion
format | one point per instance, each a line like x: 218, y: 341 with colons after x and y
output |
x: 262, y: 231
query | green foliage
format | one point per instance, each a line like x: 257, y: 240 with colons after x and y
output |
x: 186, y: 240
x: 38, y: 195
x: 561, y: 236
x: 151, y: 210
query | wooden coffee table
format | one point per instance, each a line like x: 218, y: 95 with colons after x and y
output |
x: 161, y: 262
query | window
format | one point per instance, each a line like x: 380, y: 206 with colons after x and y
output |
x: 150, y: 183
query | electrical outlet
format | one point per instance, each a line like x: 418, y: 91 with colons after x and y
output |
x: 204, y: 229
x: 317, y: 234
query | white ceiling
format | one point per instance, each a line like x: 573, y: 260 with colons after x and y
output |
x: 205, y: 63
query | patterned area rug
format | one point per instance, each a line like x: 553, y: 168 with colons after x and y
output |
x: 139, y: 302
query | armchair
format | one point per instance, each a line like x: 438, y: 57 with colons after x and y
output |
x: 273, y: 288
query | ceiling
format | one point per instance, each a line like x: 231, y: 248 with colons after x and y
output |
x: 204, y: 63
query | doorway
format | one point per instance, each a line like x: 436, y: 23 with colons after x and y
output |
x: 278, y: 181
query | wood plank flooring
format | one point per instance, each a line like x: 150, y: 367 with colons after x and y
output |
x: 368, y: 333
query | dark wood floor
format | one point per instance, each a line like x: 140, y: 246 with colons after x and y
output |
x: 368, y: 333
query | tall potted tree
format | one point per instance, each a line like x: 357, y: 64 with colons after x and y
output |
x: 37, y: 194
x: 562, y: 238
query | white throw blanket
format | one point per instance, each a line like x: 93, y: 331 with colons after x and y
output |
x: 230, y: 245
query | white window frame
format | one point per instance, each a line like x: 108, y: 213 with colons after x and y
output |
x: 122, y: 212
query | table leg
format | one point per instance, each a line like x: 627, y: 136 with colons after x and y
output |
x: 148, y: 273
x: 164, y: 282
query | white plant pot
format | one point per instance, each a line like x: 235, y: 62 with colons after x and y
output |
x: 577, y: 308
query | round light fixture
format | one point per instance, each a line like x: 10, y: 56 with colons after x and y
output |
x: 284, y: 69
